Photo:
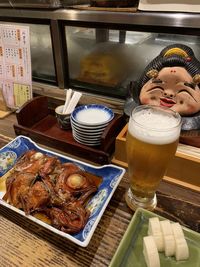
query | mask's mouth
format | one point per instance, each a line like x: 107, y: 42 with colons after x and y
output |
x: 167, y: 102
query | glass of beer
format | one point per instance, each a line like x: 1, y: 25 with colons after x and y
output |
x: 151, y: 142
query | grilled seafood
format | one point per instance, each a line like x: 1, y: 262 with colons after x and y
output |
x: 70, y: 219
x: 42, y: 183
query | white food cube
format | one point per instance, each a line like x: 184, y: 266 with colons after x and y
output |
x: 166, y: 227
x: 168, y: 238
x: 154, y: 229
x: 150, y: 252
x: 154, y: 226
x: 181, y: 246
x: 177, y: 230
x: 181, y: 249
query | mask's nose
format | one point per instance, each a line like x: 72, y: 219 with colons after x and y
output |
x: 168, y: 94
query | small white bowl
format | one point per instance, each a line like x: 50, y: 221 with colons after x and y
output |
x: 92, y: 115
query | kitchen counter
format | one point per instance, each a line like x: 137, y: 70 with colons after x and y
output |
x: 24, y: 243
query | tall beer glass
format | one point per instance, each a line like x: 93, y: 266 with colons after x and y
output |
x: 151, y: 143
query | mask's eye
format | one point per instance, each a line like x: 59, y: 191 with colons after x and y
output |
x: 186, y: 91
x: 154, y: 88
x: 157, y: 81
x: 191, y: 85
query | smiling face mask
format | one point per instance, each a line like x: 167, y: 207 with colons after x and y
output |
x: 171, y: 79
x: 172, y: 87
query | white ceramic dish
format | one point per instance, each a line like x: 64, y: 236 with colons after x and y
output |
x: 88, y: 134
x: 90, y: 130
x: 92, y: 114
x: 86, y: 137
x: 110, y: 174
x: 86, y: 142
x: 88, y: 127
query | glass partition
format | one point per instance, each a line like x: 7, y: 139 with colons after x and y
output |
x: 42, y: 53
x: 104, y: 61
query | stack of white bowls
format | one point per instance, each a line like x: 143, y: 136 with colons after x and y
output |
x: 88, y: 123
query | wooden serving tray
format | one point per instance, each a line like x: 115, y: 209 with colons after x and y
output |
x: 38, y: 122
x: 184, y: 169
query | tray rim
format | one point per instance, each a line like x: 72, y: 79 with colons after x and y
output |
x: 49, y: 227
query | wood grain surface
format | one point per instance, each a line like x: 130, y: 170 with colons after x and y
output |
x: 26, y: 244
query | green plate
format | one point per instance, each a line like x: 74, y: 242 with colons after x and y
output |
x: 129, y: 252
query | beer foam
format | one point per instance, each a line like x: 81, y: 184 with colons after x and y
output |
x: 154, y: 127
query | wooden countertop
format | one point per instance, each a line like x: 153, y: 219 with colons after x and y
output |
x: 25, y: 244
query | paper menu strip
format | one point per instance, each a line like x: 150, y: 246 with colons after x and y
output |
x: 15, y: 64
x: 21, y: 94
